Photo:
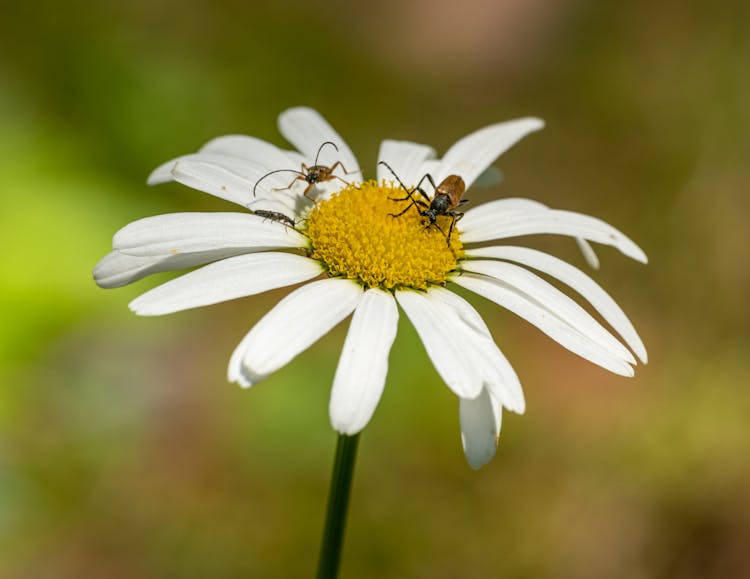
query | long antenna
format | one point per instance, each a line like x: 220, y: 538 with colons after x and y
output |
x: 409, y: 192
x: 276, y: 171
x: 321, y: 148
x: 396, y: 176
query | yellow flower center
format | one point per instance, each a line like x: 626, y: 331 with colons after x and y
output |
x: 355, y: 234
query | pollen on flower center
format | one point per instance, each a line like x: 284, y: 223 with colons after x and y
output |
x: 355, y: 235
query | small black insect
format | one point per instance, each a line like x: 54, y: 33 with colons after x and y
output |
x: 274, y: 216
x: 311, y: 175
x: 447, y: 197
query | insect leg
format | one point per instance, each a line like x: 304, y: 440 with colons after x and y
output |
x: 307, y: 190
x: 297, y: 178
x: 436, y: 226
x: 340, y: 164
x: 454, y: 217
x: 340, y: 179
x: 421, y: 191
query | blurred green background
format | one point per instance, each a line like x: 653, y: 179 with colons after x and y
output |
x: 124, y: 453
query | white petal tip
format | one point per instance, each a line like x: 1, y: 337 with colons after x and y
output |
x: 477, y: 461
x: 534, y: 123
x: 235, y: 377
x: 103, y: 281
x: 140, y: 309
x: 160, y: 175
x: 246, y: 377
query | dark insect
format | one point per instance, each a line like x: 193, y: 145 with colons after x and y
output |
x: 274, y: 216
x: 311, y: 175
x: 448, y: 196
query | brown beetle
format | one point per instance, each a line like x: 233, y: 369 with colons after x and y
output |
x: 311, y: 175
x: 448, y: 195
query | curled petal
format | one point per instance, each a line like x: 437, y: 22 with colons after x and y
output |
x: 480, y: 420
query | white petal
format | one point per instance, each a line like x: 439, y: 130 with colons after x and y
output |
x: 249, y: 148
x: 494, y: 220
x: 520, y: 203
x: 588, y: 253
x: 496, y: 372
x: 545, y: 320
x: 117, y: 269
x: 274, y: 171
x: 260, y: 153
x: 228, y: 279
x: 178, y: 233
x: 548, y: 296
x: 163, y: 173
x: 363, y: 366
x: 242, y: 167
x: 406, y: 160
x: 214, y: 179
x: 577, y: 280
x: 444, y: 341
x: 297, y: 322
x: 460, y: 346
x: 480, y: 420
x: 470, y: 156
x: 235, y: 179
x: 307, y: 130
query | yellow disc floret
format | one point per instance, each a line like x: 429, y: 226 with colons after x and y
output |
x: 355, y: 234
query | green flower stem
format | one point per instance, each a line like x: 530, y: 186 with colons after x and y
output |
x: 338, y: 502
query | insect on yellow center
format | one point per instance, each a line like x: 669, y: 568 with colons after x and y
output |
x: 355, y: 235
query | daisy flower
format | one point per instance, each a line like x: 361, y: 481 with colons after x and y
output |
x: 365, y: 247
